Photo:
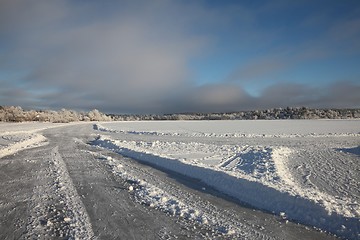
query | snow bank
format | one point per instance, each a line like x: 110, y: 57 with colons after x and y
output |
x: 14, y: 142
x: 157, y: 198
x: 73, y: 214
x: 18, y: 136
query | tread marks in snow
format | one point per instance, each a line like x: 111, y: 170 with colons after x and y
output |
x: 58, y: 210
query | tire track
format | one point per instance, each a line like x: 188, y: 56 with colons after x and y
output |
x: 58, y: 210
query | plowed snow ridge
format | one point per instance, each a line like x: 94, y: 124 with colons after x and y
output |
x: 14, y: 142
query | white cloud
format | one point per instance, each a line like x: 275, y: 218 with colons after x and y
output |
x: 134, y: 56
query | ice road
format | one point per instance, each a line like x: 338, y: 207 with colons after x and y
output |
x: 180, y: 180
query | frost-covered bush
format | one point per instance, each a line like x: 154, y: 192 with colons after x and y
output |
x: 267, y: 114
x: 95, y: 115
x: 17, y: 114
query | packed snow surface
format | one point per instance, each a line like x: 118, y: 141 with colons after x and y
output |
x: 54, y: 205
x: 302, y: 170
x: 16, y: 137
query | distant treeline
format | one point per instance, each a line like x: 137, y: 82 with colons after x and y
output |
x: 268, y: 114
x: 17, y: 114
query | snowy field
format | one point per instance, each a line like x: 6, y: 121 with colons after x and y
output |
x: 305, y: 171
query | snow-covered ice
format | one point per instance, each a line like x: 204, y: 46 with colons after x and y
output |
x: 305, y: 171
x: 16, y: 137
x: 65, y: 217
x: 302, y: 170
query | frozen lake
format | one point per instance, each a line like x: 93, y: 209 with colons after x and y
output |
x: 306, y: 169
x: 273, y: 127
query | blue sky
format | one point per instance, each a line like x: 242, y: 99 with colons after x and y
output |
x: 179, y: 56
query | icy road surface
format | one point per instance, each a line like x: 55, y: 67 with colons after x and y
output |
x: 180, y: 180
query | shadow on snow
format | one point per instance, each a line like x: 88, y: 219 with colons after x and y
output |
x: 251, y: 193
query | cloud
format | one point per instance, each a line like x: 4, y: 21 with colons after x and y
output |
x: 341, y: 94
x: 10, y: 95
x: 213, y: 98
x: 346, y: 35
x: 258, y: 68
x: 287, y: 94
x: 291, y: 35
x: 231, y: 97
x: 136, y: 56
x: 225, y: 97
